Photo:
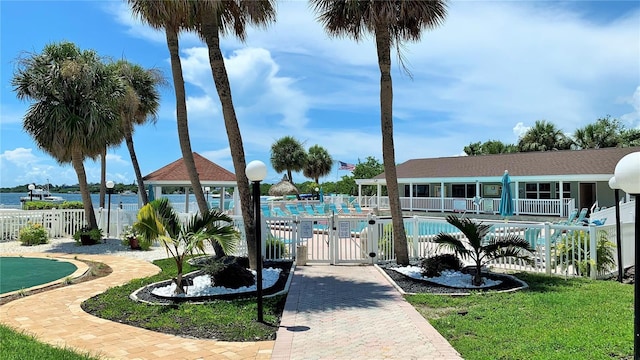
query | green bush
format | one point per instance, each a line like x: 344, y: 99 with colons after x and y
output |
x: 94, y: 234
x: 275, y: 248
x: 33, y: 234
x: 435, y: 265
x: 45, y: 205
x: 575, y: 248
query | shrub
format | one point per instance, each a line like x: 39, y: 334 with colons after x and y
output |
x: 229, y: 271
x: 435, y: 265
x: 275, y: 248
x: 33, y: 234
x: 94, y: 234
x: 576, y: 248
x: 45, y: 205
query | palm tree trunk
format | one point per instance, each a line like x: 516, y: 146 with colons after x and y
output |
x: 103, y: 175
x: 383, y: 46
x: 136, y: 166
x: 220, y: 78
x: 183, y: 125
x: 78, y: 166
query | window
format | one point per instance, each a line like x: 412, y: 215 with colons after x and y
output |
x: 463, y: 190
x: 418, y: 190
x: 566, y: 191
x: 538, y: 191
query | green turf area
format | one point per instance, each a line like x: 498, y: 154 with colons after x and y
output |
x: 23, y: 272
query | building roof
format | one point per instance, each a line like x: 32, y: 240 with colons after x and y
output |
x: 176, y: 172
x: 528, y: 164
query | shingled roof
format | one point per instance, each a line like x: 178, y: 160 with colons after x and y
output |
x: 529, y: 164
x: 176, y: 172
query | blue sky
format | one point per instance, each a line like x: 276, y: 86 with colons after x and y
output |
x: 488, y: 73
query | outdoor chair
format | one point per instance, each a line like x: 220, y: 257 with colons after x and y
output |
x: 293, y: 210
x: 532, y: 235
x: 278, y: 212
x: 357, y: 207
x: 333, y: 208
x: 309, y: 209
x: 582, y: 217
x: 570, y: 219
x: 320, y: 209
x: 266, y: 211
x: 345, y: 208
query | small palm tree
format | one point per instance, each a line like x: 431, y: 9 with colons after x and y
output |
x: 480, y: 249
x: 287, y: 154
x: 319, y: 163
x: 158, y: 221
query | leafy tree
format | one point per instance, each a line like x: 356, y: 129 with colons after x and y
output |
x: 630, y: 137
x: 287, y: 154
x: 369, y: 168
x: 476, y: 246
x: 604, y: 133
x: 319, y: 163
x: 392, y: 23
x: 544, y: 136
x: 158, y: 221
x: 473, y: 149
x: 215, y: 18
x: 139, y: 106
x: 490, y: 147
x: 71, y: 117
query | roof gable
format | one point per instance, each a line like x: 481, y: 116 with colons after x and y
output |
x: 539, y: 163
x: 177, y: 171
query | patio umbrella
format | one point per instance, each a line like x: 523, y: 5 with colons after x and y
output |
x: 284, y: 187
x: 506, y: 199
x: 150, y: 194
x: 321, y: 196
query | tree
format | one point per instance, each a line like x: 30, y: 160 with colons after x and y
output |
x: 214, y: 18
x: 392, y: 24
x: 478, y: 248
x: 604, y: 133
x: 630, y: 137
x: 319, y: 163
x: 489, y: 147
x: 138, y: 106
x: 158, y: 221
x: 544, y: 136
x: 287, y: 154
x: 71, y: 117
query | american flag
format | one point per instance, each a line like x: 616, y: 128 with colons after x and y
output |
x: 346, y: 166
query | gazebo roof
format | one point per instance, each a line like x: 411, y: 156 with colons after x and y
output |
x: 175, y: 173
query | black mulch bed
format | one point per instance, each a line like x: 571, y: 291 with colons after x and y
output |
x: 411, y: 285
x: 146, y: 295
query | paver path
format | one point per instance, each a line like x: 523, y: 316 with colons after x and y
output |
x: 353, y: 312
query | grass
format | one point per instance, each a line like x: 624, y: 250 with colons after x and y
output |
x: 221, y: 320
x: 555, y: 318
x: 19, y: 346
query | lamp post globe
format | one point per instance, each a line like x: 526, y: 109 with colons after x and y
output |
x: 627, y: 177
x: 31, y: 187
x: 256, y: 172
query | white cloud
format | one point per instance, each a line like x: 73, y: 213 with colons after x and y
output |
x: 520, y: 129
x: 632, y: 119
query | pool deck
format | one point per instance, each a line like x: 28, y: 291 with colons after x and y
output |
x: 331, y: 312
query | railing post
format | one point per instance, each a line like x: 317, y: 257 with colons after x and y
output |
x: 593, y: 250
x: 547, y: 247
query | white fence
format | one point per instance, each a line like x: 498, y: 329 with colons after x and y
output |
x: 339, y: 238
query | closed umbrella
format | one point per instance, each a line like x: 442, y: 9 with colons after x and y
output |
x: 150, y: 195
x: 506, y: 199
x: 321, y: 196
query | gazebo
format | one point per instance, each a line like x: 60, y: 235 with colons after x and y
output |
x: 175, y: 174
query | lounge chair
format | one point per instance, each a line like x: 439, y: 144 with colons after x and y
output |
x: 266, y: 211
x: 309, y: 209
x: 532, y: 235
x: 320, y: 209
x: 582, y: 217
x: 278, y: 212
x: 345, y: 208
x: 357, y: 207
x: 570, y: 219
x: 293, y: 210
x: 333, y: 208
x: 301, y: 208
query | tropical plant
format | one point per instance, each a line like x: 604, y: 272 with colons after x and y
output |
x: 490, y: 147
x: 480, y: 247
x: 574, y: 249
x: 138, y: 106
x: 434, y: 266
x: 319, y: 163
x: 71, y: 117
x: 93, y: 233
x: 33, y: 234
x: 392, y: 23
x: 288, y: 154
x: 604, y: 133
x: 544, y: 136
x: 158, y: 221
x: 130, y: 235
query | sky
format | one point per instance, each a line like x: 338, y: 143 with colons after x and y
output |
x: 488, y: 73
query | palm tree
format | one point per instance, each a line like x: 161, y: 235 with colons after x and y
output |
x: 213, y: 18
x: 481, y: 249
x: 392, y: 23
x: 319, y: 163
x: 288, y: 154
x: 157, y: 220
x: 604, y: 133
x: 71, y: 117
x: 544, y: 136
x: 138, y: 107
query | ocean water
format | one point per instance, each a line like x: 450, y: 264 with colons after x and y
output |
x: 13, y: 199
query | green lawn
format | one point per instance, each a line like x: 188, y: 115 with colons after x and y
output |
x: 554, y: 319
x: 18, y: 346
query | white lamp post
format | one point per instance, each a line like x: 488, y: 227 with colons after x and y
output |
x: 110, y: 185
x: 31, y: 188
x: 317, y: 192
x: 616, y: 191
x: 256, y: 172
x: 627, y: 176
x: 206, y: 191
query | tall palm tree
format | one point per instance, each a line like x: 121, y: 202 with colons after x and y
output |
x: 139, y: 106
x: 71, y: 117
x: 221, y: 17
x: 604, y: 133
x: 392, y: 22
x: 174, y: 16
x: 544, y: 136
x: 319, y: 163
x: 288, y: 154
